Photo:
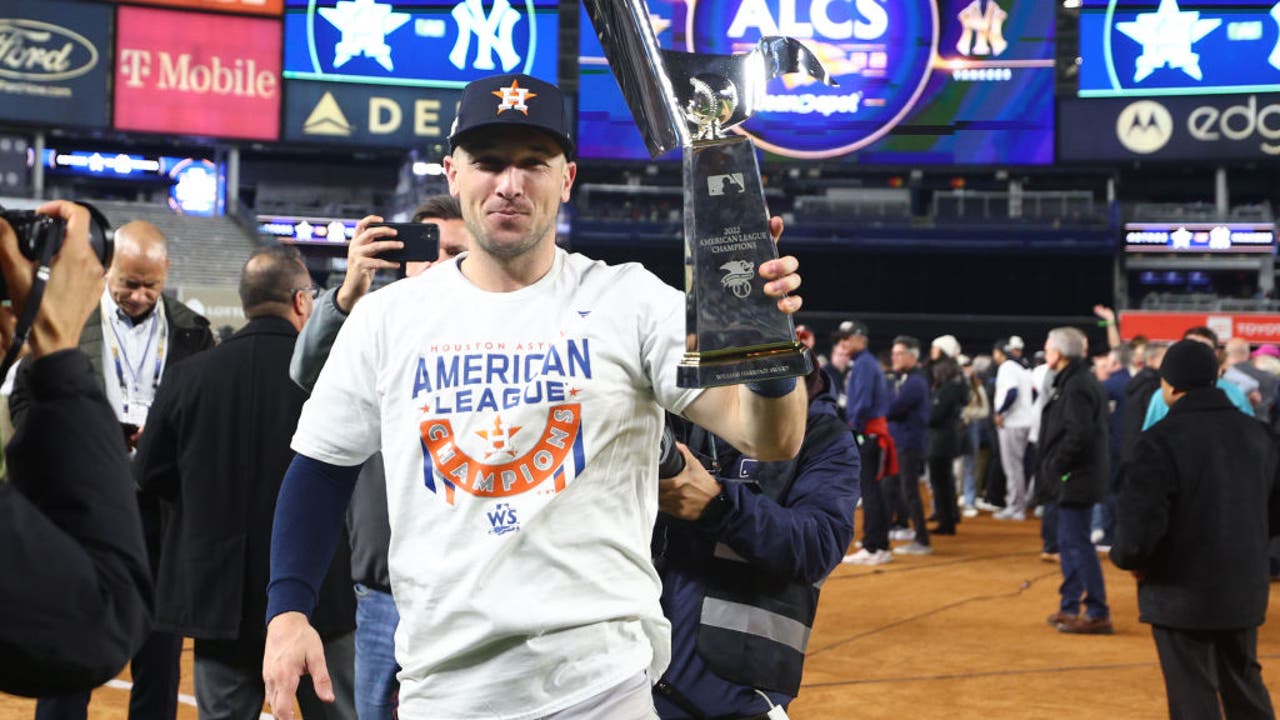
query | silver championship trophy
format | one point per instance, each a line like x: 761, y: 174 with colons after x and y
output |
x: 735, y: 332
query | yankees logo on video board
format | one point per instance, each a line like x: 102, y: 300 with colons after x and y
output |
x: 437, y: 43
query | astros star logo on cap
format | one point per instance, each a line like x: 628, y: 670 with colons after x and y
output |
x: 514, y: 97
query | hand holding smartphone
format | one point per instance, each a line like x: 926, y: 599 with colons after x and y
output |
x: 421, y: 242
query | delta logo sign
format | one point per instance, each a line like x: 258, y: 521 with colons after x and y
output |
x: 437, y: 43
x: 880, y: 53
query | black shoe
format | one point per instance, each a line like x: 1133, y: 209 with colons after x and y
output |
x: 943, y: 531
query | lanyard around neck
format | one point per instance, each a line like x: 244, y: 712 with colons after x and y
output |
x: 120, y: 356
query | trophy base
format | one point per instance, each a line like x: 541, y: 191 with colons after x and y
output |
x: 701, y: 370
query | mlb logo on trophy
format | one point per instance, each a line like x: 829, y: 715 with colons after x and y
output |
x: 730, y: 184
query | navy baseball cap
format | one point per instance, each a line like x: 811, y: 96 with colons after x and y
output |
x: 517, y: 99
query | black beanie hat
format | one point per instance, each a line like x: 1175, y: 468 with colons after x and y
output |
x: 1190, y: 364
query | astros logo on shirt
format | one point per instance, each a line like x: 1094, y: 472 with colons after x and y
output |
x: 505, y: 466
x: 499, y: 419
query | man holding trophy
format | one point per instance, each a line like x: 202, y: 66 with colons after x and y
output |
x: 519, y: 422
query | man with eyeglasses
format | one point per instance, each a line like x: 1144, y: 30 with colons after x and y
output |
x: 215, y: 451
x: 138, y: 335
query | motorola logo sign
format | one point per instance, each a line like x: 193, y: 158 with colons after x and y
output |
x: 1241, y: 121
x: 1144, y: 127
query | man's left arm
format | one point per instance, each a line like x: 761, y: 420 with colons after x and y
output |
x: 802, y: 541
x: 769, y: 428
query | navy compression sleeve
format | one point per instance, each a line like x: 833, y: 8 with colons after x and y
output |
x: 308, y: 523
x: 1009, y: 400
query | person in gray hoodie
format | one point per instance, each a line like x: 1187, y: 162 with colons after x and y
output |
x: 367, y: 525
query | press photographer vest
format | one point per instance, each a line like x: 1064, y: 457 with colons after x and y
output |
x: 754, y: 628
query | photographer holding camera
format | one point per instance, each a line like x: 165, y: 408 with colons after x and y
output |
x: 132, y: 342
x: 79, y: 600
x: 742, y: 547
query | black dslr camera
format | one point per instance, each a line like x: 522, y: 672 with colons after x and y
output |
x: 670, y: 461
x: 40, y: 234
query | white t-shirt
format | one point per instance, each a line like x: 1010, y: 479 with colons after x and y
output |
x: 133, y: 359
x: 1042, y: 383
x: 1012, y: 375
x: 520, y: 433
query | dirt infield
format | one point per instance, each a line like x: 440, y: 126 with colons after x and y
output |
x: 959, y: 634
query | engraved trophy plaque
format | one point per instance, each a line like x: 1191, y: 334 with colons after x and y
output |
x: 735, y: 333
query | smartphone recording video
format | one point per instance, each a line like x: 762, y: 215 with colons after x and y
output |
x: 421, y: 242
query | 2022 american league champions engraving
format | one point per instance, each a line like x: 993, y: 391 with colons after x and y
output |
x: 735, y: 333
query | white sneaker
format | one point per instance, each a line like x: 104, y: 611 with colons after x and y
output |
x: 1039, y: 511
x: 970, y: 512
x: 1102, y: 549
x: 984, y: 505
x: 902, y: 534
x: 862, y: 557
x: 882, y: 557
x: 1096, y: 536
x: 914, y: 548
x: 1011, y: 514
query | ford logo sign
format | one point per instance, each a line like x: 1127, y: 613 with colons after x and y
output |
x: 39, y: 51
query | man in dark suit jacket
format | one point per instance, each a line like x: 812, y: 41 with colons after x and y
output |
x: 1196, y: 509
x: 145, y: 334
x: 216, y: 448
x: 1072, y: 473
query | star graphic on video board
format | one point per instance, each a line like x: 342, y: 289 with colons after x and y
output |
x: 1166, y: 36
x: 365, y: 25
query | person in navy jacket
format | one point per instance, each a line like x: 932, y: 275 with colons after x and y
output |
x: 750, y: 540
x: 908, y: 423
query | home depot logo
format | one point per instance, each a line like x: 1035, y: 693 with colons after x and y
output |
x: 162, y: 70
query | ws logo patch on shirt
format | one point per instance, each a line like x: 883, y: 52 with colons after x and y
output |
x: 503, y: 519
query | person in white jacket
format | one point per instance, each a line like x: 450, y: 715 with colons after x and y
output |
x: 1014, y: 414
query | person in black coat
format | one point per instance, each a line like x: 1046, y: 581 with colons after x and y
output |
x: 216, y: 448
x: 1072, y: 473
x: 1137, y: 396
x: 148, y: 334
x: 1196, y: 510
x: 75, y: 604
x: 947, y: 400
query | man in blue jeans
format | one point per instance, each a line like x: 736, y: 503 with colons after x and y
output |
x: 1073, y: 473
x: 367, y: 523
